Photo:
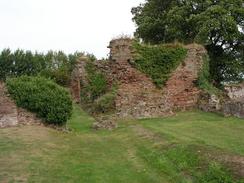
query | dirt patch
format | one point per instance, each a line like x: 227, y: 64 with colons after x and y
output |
x: 8, y: 109
x: 27, y: 118
x: 235, y: 163
x: 105, y: 122
x: 148, y: 135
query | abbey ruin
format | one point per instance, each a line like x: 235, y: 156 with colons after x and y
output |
x: 138, y: 97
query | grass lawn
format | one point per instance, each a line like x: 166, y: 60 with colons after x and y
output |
x: 189, y: 147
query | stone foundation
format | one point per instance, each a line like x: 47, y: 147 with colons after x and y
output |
x: 234, y: 108
x: 224, y: 105
x: 235, y: 91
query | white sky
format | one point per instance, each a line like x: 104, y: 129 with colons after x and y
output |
x: 68, y: 25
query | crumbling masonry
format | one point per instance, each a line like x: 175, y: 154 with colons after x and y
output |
x: 137, y: 96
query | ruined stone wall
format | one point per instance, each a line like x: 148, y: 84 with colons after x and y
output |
x: 138, y: 97
x: 223, y: 105
x: 181, y: 86
x: 78, y: 75
x: 120, y: 49
x: 235, y: 91
x: 234, y: 108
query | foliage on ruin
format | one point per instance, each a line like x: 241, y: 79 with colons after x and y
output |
x: 159, y: 61
x: 204, y: 78
x: 219, y: 25
x: 41, y: 96
x: 97, y: 84
x: 106, y: 103
x: 96, y: 92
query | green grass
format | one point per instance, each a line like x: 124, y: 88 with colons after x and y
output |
x: 80, y: 121
x: 201, y: 128
x: 144, y: 151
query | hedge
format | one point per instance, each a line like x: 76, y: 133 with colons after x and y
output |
x: 41, y: 96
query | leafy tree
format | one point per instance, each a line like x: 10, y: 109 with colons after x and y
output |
x: 53, y: 65
x: 218, y: 24
x: 6, y: 62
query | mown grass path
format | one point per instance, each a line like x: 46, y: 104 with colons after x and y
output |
x: 144, y: 151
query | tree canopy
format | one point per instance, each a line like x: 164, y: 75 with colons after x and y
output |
x: 217, y: 24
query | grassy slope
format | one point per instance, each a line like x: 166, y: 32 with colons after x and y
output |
x: 155, y: 150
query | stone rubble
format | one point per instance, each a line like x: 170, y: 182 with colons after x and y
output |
x: 8, y: 109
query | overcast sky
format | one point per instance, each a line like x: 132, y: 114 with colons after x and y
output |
x: 68, y: 25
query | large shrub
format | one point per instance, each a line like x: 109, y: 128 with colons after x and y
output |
x: 158, y: 61
x: 41, y: 96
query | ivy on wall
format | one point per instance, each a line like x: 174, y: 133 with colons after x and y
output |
x: 158, y: 61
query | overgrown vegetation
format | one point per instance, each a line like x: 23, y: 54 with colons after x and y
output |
x: 53, y: 65
x: 158, y: 61
x: 97, y: 84
x: 96, y: 92
x: 41, y: 96
x: 204, y: 78
x: 106, y: 103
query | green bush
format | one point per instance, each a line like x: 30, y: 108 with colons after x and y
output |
x: 41, y: 96
x: 158, y: 61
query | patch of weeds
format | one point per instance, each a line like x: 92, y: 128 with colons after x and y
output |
x: 97, y: 84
